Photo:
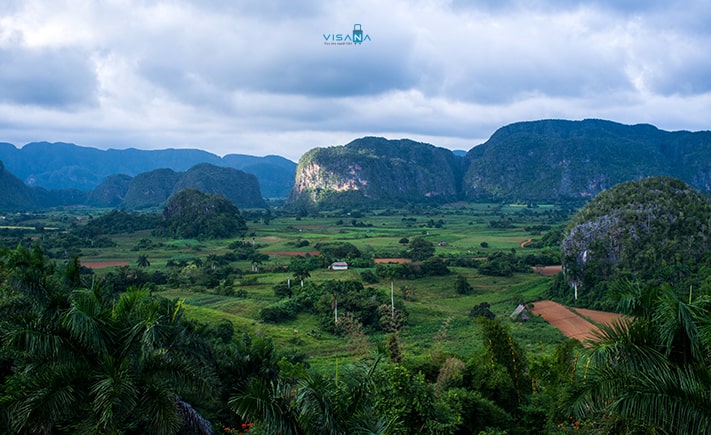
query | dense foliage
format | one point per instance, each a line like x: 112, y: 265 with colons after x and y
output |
x: 193, y: 214
x: 102, y: 353
x: 651, y: 374
x: 656, y: 230
x: 117, y: 221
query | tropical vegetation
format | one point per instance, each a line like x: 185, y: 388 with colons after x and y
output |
x: 205, y: 335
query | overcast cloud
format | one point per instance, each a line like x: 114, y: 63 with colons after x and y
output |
x: 256, y: 77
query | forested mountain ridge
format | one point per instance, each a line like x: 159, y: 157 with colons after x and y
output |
x: 146, y: 190
x: 377, y: 171
x: 69, y: 166
x: 15, y: 194
x: 539, y: 161
x: 573, y: 160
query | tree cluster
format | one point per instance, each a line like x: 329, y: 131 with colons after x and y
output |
x: 192, y: 214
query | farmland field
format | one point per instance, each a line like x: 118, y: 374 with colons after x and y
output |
x: 438, y: 317
x: 578, y: 323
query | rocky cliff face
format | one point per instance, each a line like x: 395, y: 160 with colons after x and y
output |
x: 377, y: 171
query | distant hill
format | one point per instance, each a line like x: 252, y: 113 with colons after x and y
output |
x: 15, y: 194
x: 152, y: 189
x: 374, y: 170
x: 536, y: 161
x: 147, y: 190
x: 111, y: 192
x: 68, y: 166
x: 654, y: 226
x: 238, y: 186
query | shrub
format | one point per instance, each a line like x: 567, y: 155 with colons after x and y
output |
x: 368, y: 277
x: 281, y: 311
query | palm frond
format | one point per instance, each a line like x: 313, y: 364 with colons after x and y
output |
x: 314, y: 401
x: 673, y: 399
x: 85, y: 320
x: 626, y: 342
x: 114, y: 393
x: 266, y: 402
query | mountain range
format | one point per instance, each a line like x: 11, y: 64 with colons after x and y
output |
x: 68, y: 166
x: 147, y: 190
x: 537, y: 161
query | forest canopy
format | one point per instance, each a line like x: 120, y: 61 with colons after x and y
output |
x: 193, y: 214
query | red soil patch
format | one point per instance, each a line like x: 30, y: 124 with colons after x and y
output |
x: 567, y: 322
x: 392, y: 260
x: 570, y: 321
x: 599, y: 317
x: 548, y: 270
x: 103, y: 264
x: 525, y: 242
x: 292, y: 253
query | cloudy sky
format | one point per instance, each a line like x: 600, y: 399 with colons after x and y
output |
x: 262, y: 77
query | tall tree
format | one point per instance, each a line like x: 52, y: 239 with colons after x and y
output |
x: 142, y: 261
x: 420, y: 249
x: 100, y: 365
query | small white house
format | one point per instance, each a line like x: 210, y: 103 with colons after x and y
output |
x: 339, y: 265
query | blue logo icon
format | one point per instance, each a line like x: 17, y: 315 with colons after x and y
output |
x: 357, y: 34
x: 355, y: 37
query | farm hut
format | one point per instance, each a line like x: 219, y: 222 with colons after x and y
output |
x: 520, y: 313
x: 339, y: 265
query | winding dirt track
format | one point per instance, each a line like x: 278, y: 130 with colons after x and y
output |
x: 572, y: 322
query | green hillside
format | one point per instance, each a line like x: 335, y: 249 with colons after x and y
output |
x: 653, y: 231
x: 377, y: 171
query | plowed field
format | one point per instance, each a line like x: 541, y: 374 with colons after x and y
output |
x: 572, y: 322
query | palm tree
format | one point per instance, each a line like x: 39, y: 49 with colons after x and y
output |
x: 315, y: 403
x: 342, y: 405
x: 651, y: 374
x: 105, y: 366
x: 142, y: 261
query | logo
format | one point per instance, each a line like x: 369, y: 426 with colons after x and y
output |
x: 357, y: 34
x: 356, y: 37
